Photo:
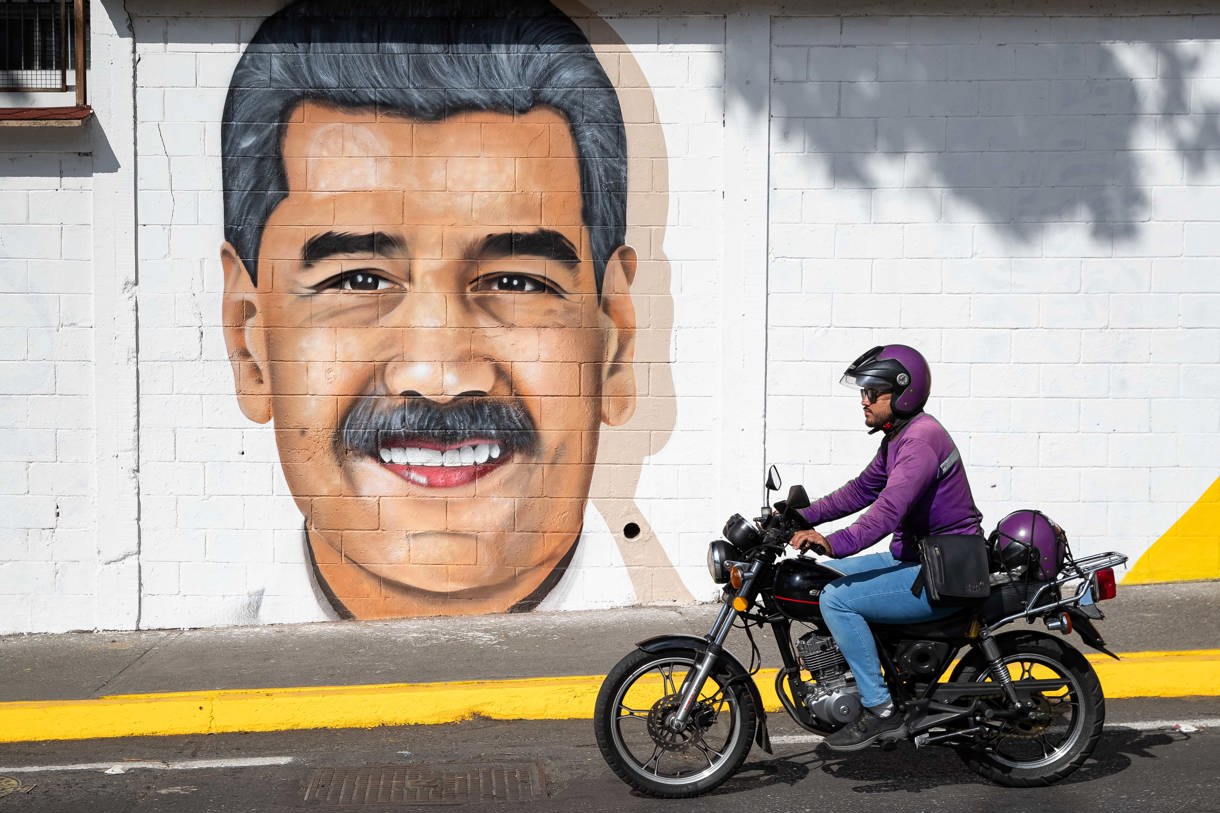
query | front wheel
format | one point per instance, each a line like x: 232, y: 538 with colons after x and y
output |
x: 1058, y: 730
x: 631, y: 718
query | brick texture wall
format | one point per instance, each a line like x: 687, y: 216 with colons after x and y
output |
x: 1029, y: 199
x: 1026, y: 199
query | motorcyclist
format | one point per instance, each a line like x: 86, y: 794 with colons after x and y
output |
x: 914, y: 487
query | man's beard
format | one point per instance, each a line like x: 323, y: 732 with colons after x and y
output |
x: 377, y: 421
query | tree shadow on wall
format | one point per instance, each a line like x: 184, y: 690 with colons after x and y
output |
x: 1021, y: 134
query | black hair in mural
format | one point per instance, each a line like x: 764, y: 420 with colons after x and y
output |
x: 423, y: 59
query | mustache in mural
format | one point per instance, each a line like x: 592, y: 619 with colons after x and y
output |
x: 377, y: 422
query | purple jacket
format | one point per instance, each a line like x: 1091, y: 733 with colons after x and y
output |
x: 914, y: 487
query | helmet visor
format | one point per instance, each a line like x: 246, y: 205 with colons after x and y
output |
x: 865, y: 381
x: 871, y: 387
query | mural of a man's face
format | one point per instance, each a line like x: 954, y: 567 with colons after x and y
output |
x: 427, y: 335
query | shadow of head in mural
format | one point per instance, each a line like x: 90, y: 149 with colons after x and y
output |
x: 428, y: 291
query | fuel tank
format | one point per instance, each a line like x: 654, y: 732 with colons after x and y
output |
x: 798, y: 585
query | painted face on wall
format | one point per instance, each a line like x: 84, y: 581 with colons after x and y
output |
x: 427, y: 336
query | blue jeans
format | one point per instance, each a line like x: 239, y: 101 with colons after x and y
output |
x: 874, y: 587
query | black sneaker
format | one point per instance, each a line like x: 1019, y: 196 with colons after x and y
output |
x: 867, y: 730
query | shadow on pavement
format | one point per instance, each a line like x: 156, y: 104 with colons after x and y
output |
x: 902, y: 769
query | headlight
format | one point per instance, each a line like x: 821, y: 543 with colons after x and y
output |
x: 719, y: 554
x: 741, y: 532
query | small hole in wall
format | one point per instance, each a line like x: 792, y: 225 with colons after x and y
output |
x: 631, y: 530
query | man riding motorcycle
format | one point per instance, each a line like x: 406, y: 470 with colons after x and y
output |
x: 914, y: 487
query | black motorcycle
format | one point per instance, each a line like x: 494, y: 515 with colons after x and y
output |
x: 676, y: 717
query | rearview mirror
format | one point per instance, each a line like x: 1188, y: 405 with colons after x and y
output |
x: 797, y: 498
x: 773, y: 479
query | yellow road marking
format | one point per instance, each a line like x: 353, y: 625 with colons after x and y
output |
x: 1138, y: 674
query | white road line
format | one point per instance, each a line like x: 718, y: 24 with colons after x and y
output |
x: 1178, y: 725
x: 795, y: 739
x: 178, y: 765
x: 1185, y: 726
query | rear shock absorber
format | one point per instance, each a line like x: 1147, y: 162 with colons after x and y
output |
x: 999, y: 671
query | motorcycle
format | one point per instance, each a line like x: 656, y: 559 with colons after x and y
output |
x: 1022, y: 707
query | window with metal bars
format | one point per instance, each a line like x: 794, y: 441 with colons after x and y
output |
x: 39, y: 48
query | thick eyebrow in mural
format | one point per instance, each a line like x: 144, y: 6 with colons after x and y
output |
x: 545, y: 243
x: 333, y: 243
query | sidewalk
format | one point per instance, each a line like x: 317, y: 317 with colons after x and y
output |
x: 529, y: 666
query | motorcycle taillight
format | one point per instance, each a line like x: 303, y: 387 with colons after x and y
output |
x: 1107, y: 588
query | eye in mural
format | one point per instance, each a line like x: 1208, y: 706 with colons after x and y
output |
x: 428, y: 291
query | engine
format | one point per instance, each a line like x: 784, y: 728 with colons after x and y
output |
x: 833, y: 697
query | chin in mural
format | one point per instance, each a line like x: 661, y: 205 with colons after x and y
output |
x: 427, y: 291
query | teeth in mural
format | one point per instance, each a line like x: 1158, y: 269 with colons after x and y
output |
x: 422, y: 457
x: 470, y: 455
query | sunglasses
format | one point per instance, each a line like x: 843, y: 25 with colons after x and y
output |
x: 871, y: 394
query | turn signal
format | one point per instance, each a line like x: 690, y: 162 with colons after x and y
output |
x: 1060, y: 623
x: 1106, y: 586
x: 740, y: 604
x: 735, y: 577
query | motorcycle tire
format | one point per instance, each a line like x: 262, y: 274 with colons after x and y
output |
x: 1037, y: 752
x: 630, y: 721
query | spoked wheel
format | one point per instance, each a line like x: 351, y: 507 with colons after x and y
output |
x: 632, y: 723
x: 1051, y: 739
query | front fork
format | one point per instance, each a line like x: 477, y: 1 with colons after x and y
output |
x: 693, y: 684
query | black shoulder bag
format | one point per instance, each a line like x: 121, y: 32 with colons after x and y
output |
x: 954, y: 567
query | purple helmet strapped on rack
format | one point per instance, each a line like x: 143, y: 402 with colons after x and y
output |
x: 897, y: 369
x: 1030, y: 537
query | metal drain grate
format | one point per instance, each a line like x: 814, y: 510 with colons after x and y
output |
x: 9, y: 785
x: 427, y: 785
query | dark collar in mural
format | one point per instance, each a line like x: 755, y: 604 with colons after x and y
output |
x: 535, y: 598
x: 526, y: 604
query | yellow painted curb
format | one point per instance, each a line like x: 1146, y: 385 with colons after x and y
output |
x: 1138, y: 674
x: 1183, y: 673
x: 364, y: 706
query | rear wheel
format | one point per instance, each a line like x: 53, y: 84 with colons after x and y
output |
x: 631, y: 721
x: 1057, y: 732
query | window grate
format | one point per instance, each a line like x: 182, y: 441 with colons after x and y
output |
x: 37, y: 50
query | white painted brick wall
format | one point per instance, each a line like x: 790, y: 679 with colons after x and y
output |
x: 1031, y: 200
x: 46, y: 383
x: 1052, y: 185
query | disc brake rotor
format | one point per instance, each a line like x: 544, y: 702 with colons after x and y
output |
x: 701, y: 718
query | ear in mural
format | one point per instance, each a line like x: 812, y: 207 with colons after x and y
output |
x: 428, y: 291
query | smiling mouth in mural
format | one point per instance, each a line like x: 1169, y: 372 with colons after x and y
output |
x: 437, y: 467
x: 438, y: 445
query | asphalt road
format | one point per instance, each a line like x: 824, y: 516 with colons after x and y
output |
x: 1144, y: 763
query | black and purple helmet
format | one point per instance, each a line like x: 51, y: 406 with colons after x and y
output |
x: 897, y: 369
x: 1036, y: 532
